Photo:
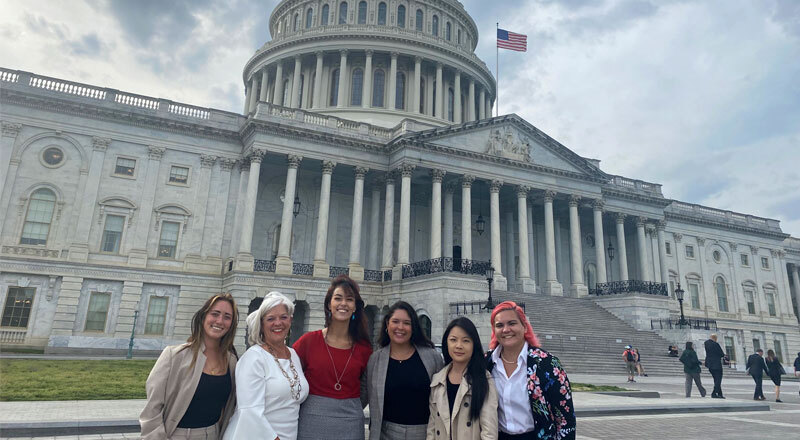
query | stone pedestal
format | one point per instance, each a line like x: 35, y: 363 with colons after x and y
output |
x: 321, y: 269
x: 500, y: 282
x: 552, y: 288
x: 527, y: 285
x: 243, y: 262
x: 356, y: 271
x: 79, y: 252
x: 196, y: 263
x: 283, y: 266
x: 578, y: 290
x: 138, y: 258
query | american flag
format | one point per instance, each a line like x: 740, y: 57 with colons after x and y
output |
x: 512, y: 41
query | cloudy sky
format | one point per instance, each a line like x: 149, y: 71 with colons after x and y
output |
x: 702, y: 96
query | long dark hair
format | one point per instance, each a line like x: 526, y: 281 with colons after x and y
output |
x: 771, y: 355
x: 357, y: 327
x: 689, y: 345
x: 418, y: 337
x: 476, y: 368
x: 196, y: 338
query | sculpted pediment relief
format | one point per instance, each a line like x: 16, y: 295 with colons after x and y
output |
x: 507, y: 143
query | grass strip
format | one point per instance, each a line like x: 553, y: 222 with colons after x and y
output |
x: 589, y: 387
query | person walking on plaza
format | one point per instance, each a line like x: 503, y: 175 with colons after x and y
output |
x: 797, y: 366
x: 191, y: 388
x: 629, y: 357
x: 756, y: 368
x: 639, y: 368
x: 774, y: 371
x: 334, y: 361
x: 714, y: 355
x: 691, y: 368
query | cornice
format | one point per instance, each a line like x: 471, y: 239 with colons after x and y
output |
x: 733, y: 227
x: 613, y: 192
x: 254, y: 126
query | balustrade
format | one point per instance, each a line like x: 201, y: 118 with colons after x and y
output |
x: 675, y: 323
x: 629, y: 286
x: 445, y: 264
x: 264, y: 266
x: 335, y: 271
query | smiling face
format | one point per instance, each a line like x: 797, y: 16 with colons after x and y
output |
x: 342, y: 305
x: 218, y: 320
x: 509, y: 330
x: 275, y: 325
x: 399, y: 327
x: 459, y: 345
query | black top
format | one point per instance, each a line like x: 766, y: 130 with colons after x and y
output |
x: 452, y: 390
x: 774, y: 367
x: 756, y: 365
x: 208, y: 401
x: 714, y: 354
x: 407, y: 390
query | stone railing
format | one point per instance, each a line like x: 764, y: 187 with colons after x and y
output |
x: 445, y: 264
x: 629, y: 286
x: 373, y: 275
x: 32, y: 251
x: 302, y: 269
x: 637, y: 185
x: 264, y: 266
x: 723, y: 216
x: 335, y: 271
x: 312, y: 118
x: 673, y: 323
x: 12, y: 336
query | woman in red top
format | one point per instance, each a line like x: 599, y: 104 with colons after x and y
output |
x: 334, y: 362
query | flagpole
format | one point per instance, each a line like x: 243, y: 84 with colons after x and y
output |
x: 497, y: 71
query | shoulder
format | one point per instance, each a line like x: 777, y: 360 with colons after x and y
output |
x: 439, y: 377
x: 307, y: 338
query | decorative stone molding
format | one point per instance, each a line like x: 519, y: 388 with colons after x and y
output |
x: 293, y: 161
x: 155, y: 153
x: 678, y: 237
x: 661, y: 225
x: 650, y: 228
x: 451, y: 186
x: 31, y: 251
x: 549, y: 195
x: 256, y: 155
x: 598, y: 204
x: 774, y: 253
x: 394, y: 55
x: 437, y: 174
x: 11, y: 129
x: 406, y: 169
x: 466, y: 180
x: 389, y: 177
x: 641, y: 221
x: 621, y: 217
x: 328, y: 166
x: 504, y: 143
x: 732, y: 246
x: 522, y: 191
x: 244, y: 164
x: 343, y: 52
x: 207, y: 160
x: 495, y: 185
x: 360, y: 172
x: 100, y: 144
x: 754, y: 250
x: 701, y: 241
x: 226, y: 164
x: 574, y: 200
x: 369, y: 52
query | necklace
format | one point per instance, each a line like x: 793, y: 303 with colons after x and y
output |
x: 292, y: 381
x: 338, y: 385
x: 508, y: 362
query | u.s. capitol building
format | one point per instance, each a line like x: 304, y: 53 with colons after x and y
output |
x: 366, y: 146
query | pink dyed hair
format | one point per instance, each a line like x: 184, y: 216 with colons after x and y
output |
x: 530, y: 336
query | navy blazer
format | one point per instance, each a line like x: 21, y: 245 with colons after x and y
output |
x: 714, y: 355
x: 756, y: 366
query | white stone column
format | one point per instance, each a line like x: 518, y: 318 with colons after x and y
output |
x: 531, y: 241
x: 622, y: 253
x: 244, y: 258
x: 366, y: 96
x: 343, y: 74
x: 525, y: 281
x: 662, y: 253
x: 448, y: 220
x: 388, y: 224
x: 457, y: 98
x: 652, y: 253
x: 247, y: 93
x: 466, y: 217
x: 417, y: 82
x: 321, y: 266
x: 736, y: 293
x: 253, y: 94
x: 510, y: 248
x: 437, y: 175
x: 137, y: 256
x: 551, y: 284
x: 489, y: 106
x: 201, y: 198
x: 577, y: 288
x: 297, y: 87
x: 439, y: 92
x: 356, y: 269
x: 641, y: 241
x: 283, y: 262
x: 471, y: 101
x: 494, y: 227
x: 318, y: 101
x: 374, y: 228
x: 262, y: 96
x: 79, y: 248
x: 406, y: 170
x: 796, y: 279
x: 431, y: 79
x: 599, y: 241
x: 277, y: 96
x: 783, y: 283
x: 482, y: 104
x: 393, y: 81
x: 217, y: 225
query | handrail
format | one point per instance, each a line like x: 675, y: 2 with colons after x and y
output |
x: 673, y: 323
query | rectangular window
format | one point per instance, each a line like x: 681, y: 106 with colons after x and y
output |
x: 756, y: 344
x: 156, y: 315
x: 98, y: 311
x: 112, y: 233
x: 125, y: 167
x: 751, y: 304
x: 771, y: 303
x: 18, y: 307
x: 729, y: 348
x: 764, y: 263
x: 179, y: 175
x: 694, y: 293
x: 169, y: 239
x: 689, y: 251
x: 668, y: 248
x: 745, y: 260
x: 778, y: 349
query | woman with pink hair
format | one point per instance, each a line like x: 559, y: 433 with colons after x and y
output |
x: 535, y: 399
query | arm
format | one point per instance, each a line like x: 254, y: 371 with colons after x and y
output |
x: 251, y: 375
x: 431, y: 431
x: 559, y: 396
x: 489, y: 413
x: 152, y: 417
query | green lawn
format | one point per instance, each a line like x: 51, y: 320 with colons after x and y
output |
x: 41, y: 379
x: 589, y: 387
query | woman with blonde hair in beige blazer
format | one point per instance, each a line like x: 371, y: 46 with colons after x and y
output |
x: 191, y: 389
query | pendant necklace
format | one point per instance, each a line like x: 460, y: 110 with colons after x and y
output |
x: 338, y: 385
x: 293, y: 382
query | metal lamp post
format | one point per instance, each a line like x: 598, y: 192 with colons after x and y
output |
x: 679, y: 294
x: 130, y: 344
x: 490, y: 279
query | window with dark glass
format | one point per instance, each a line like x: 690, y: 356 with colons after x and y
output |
x: 17, y: 309
x: 343, y: 13
x: 324, y: 18
x: 357, y: 87
x: 401, y: 16
x: 334, y: 88
x: 771, y: 303
x: 694, y: 294
x: 400, y: 92
x: 125, y: 167
x: 112, y: 233
x: 156, y: 315
x: 179, y: 175
x: 419, y: 20
x: 459, y: 36
x: 98, y: 311
x: 764, y: 263
x: 436, y: 25
x: 451, y: 102
x: 378, y: 88
x: 382, y: 14
x: 778, y: 349
x: 309, y: 17
x: 729, y: 349
x: 448, y: 31
x: 362, y: 12
x: 722, y: 294
x: 745, y: 259
x: 168, y: 242
x: 689, y: 251
x: 751, y: 303
x: 53, y: 156
x: 40, y: 214
x: 422, y: 95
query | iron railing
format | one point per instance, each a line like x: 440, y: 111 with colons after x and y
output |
x: 264, y: 266
x: 373, y: 275
x: 335, y: 271
x: 302, y: 269
x: 387, y: 275
x: 445, y: 264
x: 673, y: 323
x: 629, y: 286
x: 473, y: 307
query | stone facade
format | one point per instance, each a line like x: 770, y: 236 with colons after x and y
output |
x: 117, y: 207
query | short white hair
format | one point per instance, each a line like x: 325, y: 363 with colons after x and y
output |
x: 272, y: 300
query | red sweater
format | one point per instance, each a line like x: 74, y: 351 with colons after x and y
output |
x: 317, y: 367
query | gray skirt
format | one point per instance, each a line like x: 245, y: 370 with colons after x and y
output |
x: 328, y: 418
x: 396, y: 431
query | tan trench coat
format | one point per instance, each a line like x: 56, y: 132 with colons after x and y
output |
x: 459, y: 426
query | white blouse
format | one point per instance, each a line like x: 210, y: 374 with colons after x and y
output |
x: 513, y: 407
x: 265, y: 407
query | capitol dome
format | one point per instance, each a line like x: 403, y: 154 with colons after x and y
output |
x: 396, y: 56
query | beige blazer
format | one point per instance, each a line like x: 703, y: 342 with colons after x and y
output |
x: 170, y: 388
x: 459, y: 426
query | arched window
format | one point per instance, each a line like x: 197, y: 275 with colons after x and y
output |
x: 40, y: 214
x: 425, y: 323
x: 722, y: 294
x: 401, y: 16
x: 400, y: 91
x: 324, y: 18
x: 285, y: 100
x: 436, y: 25
x: 422, y: 95
x: 343, y: 13
x: 448, y: 31
x: 296, y: 22
x: 451, y: 102
x: 357, y: 87
x: 382, y: 14
x: 334, y: 101
x: 362, y: 12
x: 378, y: 87
x: 309, y: 17
x: 419, y: 20
x: 591, y: 276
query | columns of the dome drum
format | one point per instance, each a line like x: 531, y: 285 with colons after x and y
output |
x: 482, y: 104
x: 393, y: 82
x: 277, y: 96
x: 439, y: 92
x: 341, y: 100
x: 599, y: 242
x: 366, y: 96
x: 247, y: 92
x: 471, y: 101
x: 621, y: 250
x: 416, y: 89
x: 457, y: 97
x: 317, y: 104
x: 296, y: 83
x: 253, y: 94
x: 578, y: 288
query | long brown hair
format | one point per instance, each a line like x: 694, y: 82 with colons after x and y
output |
x: 357, y: 327
x: 196, y: 338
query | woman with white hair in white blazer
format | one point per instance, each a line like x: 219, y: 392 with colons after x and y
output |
x: 270, y: 381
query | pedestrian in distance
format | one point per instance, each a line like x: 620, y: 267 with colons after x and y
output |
x: 639, y: 367
x: 335, y: 363
x: 714, y: 356
x: 775, y: 371
x: 691, y: 369
x: 756, y: 367
x: 463, y: 402
x: 629, y: 357
x: 399, y: 377
x: 797, y: 367
x: 271, y: 381
x: 191, y: 388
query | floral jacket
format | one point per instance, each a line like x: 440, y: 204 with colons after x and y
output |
x: 549, y: 394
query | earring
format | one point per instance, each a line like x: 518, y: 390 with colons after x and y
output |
x: 353, y: 316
